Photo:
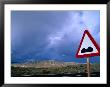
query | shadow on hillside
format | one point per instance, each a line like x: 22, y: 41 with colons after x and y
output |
x: 94, y: 74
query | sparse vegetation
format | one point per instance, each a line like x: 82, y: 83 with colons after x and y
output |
x: 69, y: 69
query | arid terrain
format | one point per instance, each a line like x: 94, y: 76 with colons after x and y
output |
x: 52, y: 68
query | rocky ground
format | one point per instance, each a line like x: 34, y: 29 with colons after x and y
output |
x: 53, y: 68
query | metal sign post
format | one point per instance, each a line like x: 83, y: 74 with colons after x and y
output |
x: 88, y: 67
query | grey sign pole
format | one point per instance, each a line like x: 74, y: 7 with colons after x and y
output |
x: 88, y: 67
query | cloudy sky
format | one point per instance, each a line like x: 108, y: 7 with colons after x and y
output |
x: 51, y: 35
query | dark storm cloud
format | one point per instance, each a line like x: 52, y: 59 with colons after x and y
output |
x: 49, y: 34
x: 32, y: 25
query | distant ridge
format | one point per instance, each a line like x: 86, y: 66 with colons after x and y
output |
x: 44, y: 64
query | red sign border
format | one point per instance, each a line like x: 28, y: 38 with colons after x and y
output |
x: 93, y: 41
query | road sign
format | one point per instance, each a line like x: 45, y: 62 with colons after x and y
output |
x: 88, y: 46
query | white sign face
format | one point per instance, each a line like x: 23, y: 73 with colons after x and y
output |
x: 87, y: 46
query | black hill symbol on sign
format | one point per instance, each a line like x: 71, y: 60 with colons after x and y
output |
x: 89, y: 49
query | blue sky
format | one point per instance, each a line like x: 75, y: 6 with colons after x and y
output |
x: 51, y: 35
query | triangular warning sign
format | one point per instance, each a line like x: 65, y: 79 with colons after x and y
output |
x: 88, y: 46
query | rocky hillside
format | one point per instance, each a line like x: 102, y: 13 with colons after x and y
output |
x: 44, y: 64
